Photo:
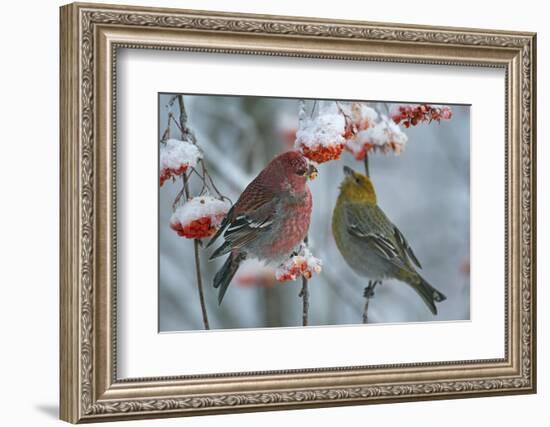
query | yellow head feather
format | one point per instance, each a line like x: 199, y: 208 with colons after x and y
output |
x: 357, y: 188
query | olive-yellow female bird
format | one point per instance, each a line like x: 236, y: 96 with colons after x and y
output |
x: 369, y: 242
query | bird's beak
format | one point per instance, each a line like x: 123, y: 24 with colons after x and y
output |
x: 348, y: 171
x: 311, y: 172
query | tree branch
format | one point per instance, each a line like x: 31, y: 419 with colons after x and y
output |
x: 186, y: 134
x: 368, y: 294
x: 366, y: 161
x: 304, y: 294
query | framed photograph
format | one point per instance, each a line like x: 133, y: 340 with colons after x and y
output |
x: 267, y: 212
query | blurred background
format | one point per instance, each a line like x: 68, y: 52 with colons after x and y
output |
x: 425, y: 191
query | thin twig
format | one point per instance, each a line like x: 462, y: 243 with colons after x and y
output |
x: 196, y: 243
x: 369, y: 290
x: 301, y: 112
x: 348, y: 121
x: 304, y: 294
x: 232, y: 173
x: 313, y: 108
x: 166, y: 133
x: 369, y: 293
x: 186, y: 134
x: 207, y: 174
x: 347, y: 118
x: 172, y: 118
x: 365, y: 311
x: 204, y: 187
x: 177, y: 199
x: 366, y: 161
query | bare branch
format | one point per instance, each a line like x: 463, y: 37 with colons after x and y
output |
x: 366, y: 162
x: 304, y: 294
x: 301, y: 112
x: 186, y: 134
x: 369, y: 294
x: 234, y: 174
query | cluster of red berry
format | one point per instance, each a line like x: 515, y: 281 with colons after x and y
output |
x: 323, y: 153
x: 295, y: 267
x: 356, y: 123
x: 169, y: 173
x: 411, y: 115
x: 199, y: 228
x: 303, y: 264
x: 362, y: 152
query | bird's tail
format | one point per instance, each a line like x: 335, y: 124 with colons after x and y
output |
x: 427, y: 292
x: 223, y: 277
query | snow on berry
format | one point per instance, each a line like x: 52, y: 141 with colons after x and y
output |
x: 411, y: 115
x: 302, y: 264
x: 358, y: 117
x: 321, y: 138
x: 199, y: 217
x: 176, y: 157
x: 384, y: 136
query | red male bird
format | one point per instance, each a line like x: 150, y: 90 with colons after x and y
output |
x: 270, y: 219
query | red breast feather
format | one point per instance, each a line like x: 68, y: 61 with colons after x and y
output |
x: 293, y: 227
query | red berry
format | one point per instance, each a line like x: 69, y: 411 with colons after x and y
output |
x: 323, y: 153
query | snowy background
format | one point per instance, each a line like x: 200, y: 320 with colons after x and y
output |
x: 425, y: 191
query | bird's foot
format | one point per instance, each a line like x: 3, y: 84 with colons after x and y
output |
x: 368, y: 294
x: 369, y: 290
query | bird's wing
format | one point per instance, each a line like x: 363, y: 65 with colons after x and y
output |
x: 404, y: 245
x: 371, y: 225
x: 249, y: 218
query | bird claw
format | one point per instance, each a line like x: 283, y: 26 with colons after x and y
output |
x: 369, y: 290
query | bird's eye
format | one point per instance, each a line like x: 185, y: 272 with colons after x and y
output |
x: 357, y: 180
x: 301, y: 169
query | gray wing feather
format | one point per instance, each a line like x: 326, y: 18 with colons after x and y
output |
x: 405, y: 245
x: 371, y: 225
x: 246, y: 228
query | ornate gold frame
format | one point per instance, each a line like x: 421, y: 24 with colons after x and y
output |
x: 90, y: 36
